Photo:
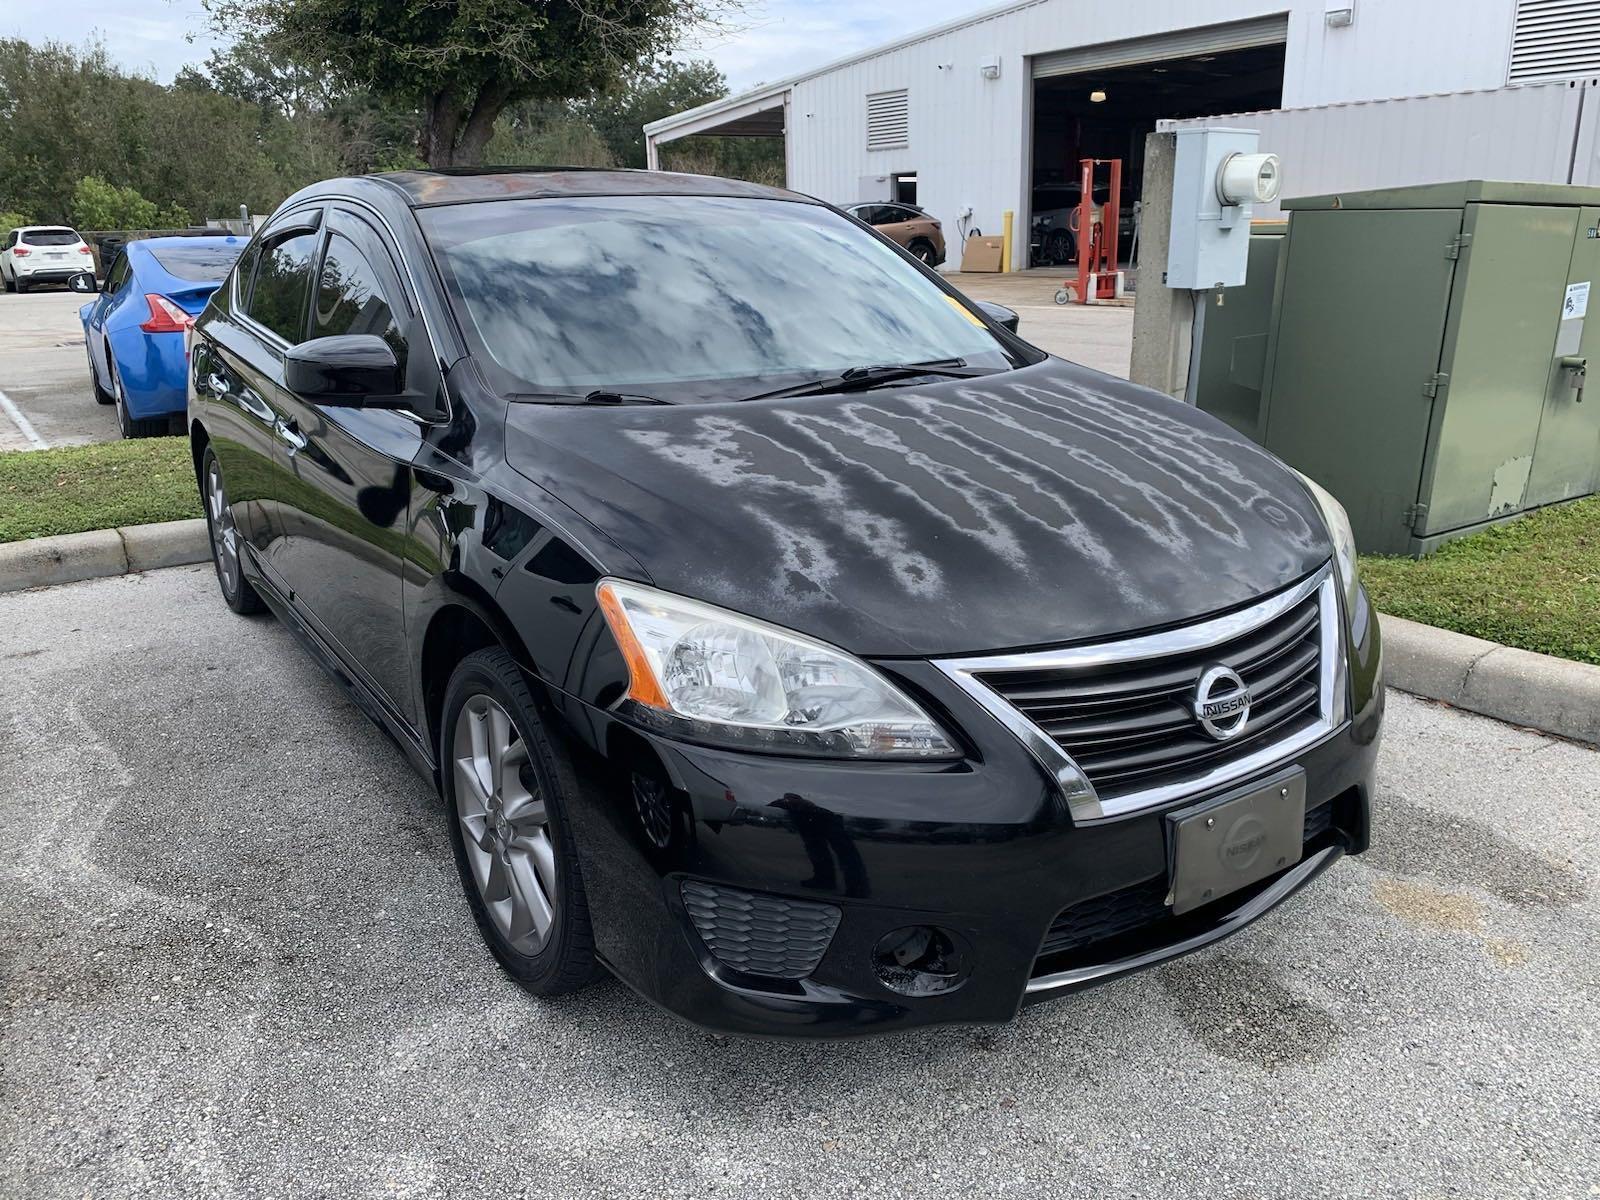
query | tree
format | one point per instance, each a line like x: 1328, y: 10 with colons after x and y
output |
x: 97, y: 204
x: 70, y: 113
x: 647, y: 93
x: 461, y: 63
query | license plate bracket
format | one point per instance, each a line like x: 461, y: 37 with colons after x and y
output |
x: 1224, y: 844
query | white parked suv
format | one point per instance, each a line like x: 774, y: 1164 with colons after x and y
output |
x: 42, y: 254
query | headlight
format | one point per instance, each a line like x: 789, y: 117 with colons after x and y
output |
x: 702, y: 672
x: 1344, y: 542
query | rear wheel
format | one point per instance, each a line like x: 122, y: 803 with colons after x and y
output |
x: 1058, y: 247
x: 506, y: 789
x: 923, y: 251
x: 101, y: 396
x: 11, y: 284
x: 236, y: 589
x: 130, y: 425
x: 18, y: 286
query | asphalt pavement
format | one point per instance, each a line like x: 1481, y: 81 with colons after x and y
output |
x: 234, y: 961
x: 44, y: 374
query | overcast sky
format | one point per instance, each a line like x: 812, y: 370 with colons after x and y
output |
x: 779, y: 38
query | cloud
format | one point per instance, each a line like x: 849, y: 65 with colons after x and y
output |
x: 776, y: 39
x: 149, y: 38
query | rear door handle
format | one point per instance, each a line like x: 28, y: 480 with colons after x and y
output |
x: 290, y: 435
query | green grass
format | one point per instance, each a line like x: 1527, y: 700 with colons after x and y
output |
x: 1532, y: 583
x: 74, y: 488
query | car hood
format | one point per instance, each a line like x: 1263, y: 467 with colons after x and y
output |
x: 1045, y: 505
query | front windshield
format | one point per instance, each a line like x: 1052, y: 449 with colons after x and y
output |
x: 687, y: 296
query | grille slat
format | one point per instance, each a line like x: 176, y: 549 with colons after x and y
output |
x: 1131, y: 725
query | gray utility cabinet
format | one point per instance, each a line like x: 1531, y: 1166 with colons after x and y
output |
x: 1428, y: 353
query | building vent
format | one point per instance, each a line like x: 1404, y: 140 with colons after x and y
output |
x: 1555, y: 39
x: 888, y: 120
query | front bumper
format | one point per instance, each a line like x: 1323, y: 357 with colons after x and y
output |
x: 983, y: 849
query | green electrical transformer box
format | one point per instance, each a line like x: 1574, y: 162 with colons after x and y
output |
x: 1428, y: 353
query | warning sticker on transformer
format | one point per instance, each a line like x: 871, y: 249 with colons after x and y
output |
x: 1577, y: 302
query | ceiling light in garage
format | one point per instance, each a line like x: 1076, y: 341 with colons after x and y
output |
x: 1097, y: 97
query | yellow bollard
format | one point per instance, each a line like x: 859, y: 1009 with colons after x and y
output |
x: 1005, y: 240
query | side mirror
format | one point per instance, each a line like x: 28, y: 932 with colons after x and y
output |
x: 352, y: 370
x: 83, y: 281
x: 1005, y: 317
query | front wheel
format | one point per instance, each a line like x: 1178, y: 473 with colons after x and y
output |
x: 507, y: 789
x: 236, y: 589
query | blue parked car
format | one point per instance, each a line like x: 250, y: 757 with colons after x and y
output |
x: 135, y: 329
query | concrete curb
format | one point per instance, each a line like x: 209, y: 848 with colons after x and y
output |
x: 1539, y: 691
x: 101, y: 552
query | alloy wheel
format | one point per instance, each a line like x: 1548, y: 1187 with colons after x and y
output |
x: 505, y: 824
x: 224, y: 534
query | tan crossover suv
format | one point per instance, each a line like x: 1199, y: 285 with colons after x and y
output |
x: 906, y: 225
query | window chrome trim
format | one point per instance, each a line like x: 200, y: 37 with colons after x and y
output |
x: 1083, y: 802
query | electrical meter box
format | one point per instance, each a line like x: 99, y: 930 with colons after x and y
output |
x: 1428, y: 360
x: 1217, y: 179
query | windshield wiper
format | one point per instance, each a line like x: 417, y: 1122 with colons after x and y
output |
x: 860, y: 379
x: 597, y: 396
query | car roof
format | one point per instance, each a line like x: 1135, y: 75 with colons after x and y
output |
x: 420, y: 189
x: 206, y: 242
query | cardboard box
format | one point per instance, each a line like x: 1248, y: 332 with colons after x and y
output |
x: 981, y: 253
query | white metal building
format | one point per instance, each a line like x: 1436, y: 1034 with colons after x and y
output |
x: 992, y: 112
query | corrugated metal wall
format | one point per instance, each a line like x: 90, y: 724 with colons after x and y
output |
x: 969, y: 136
x: 1543, y: 133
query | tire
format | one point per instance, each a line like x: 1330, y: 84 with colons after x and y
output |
x: 101, y: 396
x: 225, y: 554
x: 19, y: 287
x: 130, y: 425
x: 922, y: 250
x: 11, y: 284
x: 518, y: 866
x: 1058, y: 247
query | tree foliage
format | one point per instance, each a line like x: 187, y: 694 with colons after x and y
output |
x: 252, y: 124
x: 97, y: 204
x: 69, y: 113
x: 462, y: 63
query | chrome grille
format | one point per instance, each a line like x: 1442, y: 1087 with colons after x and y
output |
x: 1115, y: 722
x: 1132, y: 725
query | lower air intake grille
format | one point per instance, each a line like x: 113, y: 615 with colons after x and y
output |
x: 761, y: 935
x: 1130, y: 908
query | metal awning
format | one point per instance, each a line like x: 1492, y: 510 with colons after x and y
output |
x: 755, y: 114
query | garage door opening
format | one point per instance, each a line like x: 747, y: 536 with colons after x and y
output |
x: 1100, y: 102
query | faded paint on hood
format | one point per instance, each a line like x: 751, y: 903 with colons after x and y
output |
x: 1040, y: 506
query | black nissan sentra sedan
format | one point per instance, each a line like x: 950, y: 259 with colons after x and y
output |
x: 783, y: 633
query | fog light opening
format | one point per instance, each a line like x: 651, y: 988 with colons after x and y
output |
x: 919, y: 960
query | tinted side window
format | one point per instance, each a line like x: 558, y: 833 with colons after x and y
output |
x: 353, y: 297
x: 118, y: 275
x: 244, y: 275
x: 282, y: 287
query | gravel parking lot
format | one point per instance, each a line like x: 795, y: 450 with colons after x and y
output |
x: 237, y: 964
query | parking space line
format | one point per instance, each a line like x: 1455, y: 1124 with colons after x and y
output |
x: 24, y: 426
